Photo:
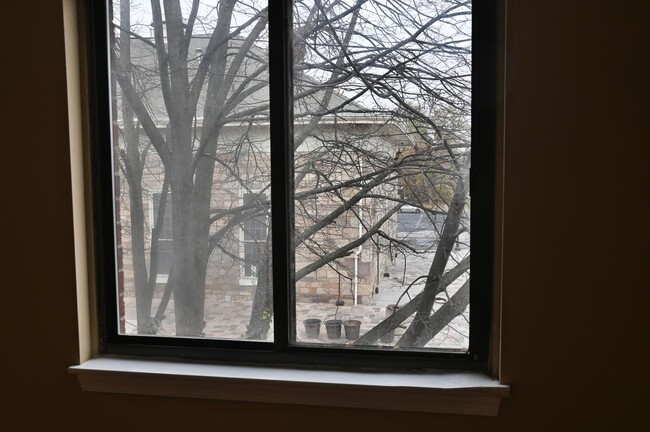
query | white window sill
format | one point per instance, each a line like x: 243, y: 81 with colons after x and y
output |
x: 440, y: 392
x: 248, y: 281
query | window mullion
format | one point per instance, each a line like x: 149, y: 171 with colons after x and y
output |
x: 281, y: 115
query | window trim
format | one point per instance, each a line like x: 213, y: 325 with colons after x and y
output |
x: 448, y: 392
x: 262, y: 351
x: 99, y: 372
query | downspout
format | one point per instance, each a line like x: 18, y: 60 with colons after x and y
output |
x: 378, y: 257
x: 356, y: 265
x: 357, y: 254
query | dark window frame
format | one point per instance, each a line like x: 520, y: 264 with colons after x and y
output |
x: 280, y: 352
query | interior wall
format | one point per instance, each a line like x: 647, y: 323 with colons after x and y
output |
x: 575, y: 245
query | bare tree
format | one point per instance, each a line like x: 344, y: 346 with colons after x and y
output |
x: 372, y: 79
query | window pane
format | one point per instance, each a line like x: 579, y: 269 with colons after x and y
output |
x: 191, y: 146
x: 382, y: 153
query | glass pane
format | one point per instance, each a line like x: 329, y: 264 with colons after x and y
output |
x: 192, y: 182
x: 382, y: 152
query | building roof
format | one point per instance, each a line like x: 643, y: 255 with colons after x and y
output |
x: 252, y: 72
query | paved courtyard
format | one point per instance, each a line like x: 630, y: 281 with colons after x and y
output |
x: 228, y: 320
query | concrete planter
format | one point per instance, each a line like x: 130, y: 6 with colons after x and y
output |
x: 312, y: 327
x: 333, y: 328
x: 352, y: 328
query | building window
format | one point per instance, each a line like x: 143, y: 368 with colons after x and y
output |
x: 373, y: 109
x: 253, y: 236
x: 164, y: 237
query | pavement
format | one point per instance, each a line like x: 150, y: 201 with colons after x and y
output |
x: 228, y: 320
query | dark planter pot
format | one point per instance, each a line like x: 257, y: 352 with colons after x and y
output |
x: 333, y: 328
x: 352, y: 328
x: 312, y: 327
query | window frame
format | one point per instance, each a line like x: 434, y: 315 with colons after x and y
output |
x: 281, y: 352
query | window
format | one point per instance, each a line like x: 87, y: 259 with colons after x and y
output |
x: 253, y: 236
x: 161, y: 234
x: 385, y: 105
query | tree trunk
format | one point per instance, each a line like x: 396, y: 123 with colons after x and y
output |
x: 408, y: 309
x: 412, y: 336
x: 455, y: 306
x: 262, y: 310
x: 191, y: 180
x: 133, y: 172
x: 188, y: 279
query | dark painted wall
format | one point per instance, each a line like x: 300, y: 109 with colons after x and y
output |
x: 575, y: 335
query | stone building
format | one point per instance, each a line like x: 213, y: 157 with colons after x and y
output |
x: 335, y: 158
